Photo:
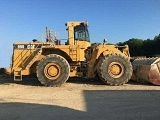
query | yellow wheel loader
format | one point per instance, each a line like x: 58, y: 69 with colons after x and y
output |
x: 54, y: 61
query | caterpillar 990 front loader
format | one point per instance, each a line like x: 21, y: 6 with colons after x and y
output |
x: 54, y: 62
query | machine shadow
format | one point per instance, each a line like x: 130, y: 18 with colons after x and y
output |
x: 100, y: 105
x: 94, y: 81
x: 27, y: 80
x: 97, y: 81
x: 33, y: 81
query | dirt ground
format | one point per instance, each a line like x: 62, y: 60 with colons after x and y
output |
x: 78, y: 99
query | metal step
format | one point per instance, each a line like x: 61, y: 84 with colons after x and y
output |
x: 73, y: 54
x: 17, y: 74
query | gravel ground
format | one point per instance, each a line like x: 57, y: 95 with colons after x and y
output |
x: 78, y: 99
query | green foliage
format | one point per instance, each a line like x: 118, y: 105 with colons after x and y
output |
x: 92, y: 44
x: 139, y: 47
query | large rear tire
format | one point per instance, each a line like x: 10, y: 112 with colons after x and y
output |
x: 114, y: 69
x: 53, y: 70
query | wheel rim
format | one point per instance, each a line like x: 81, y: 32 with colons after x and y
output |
x: 116, y: 70
x: 52, y: 71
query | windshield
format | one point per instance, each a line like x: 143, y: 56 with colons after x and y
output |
x: 81, y: 33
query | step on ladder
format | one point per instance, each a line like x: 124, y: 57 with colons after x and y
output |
x: 73, y: 54
x: 18, y: 74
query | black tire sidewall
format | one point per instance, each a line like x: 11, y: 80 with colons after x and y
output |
x: 126, y: 67
x: 62, y: 62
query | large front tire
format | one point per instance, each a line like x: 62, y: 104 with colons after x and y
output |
x: 53, y: 70
x: 114, y: 69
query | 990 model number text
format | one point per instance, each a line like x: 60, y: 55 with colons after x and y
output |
x: 26, y: 46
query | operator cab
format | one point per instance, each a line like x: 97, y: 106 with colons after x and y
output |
x: 78, y: 34
x: 81, y: 33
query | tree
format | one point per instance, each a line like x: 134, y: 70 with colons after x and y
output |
x: 139, y: 47
x: 135, y: 46
x: 156, y: 44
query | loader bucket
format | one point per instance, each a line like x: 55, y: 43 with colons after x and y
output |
x: 146, y: 70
